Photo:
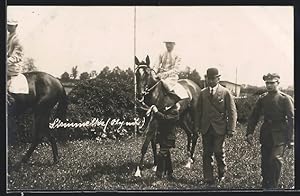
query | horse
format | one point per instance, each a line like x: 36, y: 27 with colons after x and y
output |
x: 45, y: 92
x: 150, y: 91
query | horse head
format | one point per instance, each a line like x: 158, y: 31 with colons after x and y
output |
x: 145, y: 78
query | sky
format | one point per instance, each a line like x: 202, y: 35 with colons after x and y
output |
x: 252, y: 40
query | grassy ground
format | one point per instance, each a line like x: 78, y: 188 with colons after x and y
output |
x: 110, y: 165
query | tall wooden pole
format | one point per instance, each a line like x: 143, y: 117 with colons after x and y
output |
x: 134, y: 52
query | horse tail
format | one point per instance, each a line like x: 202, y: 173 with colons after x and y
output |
x: 62, y: 105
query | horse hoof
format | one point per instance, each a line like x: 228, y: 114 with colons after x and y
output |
x: 154, y: 168
x: 138, y: 172
x: 188, y: 165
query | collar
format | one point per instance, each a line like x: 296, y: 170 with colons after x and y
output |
x: 214, y: 88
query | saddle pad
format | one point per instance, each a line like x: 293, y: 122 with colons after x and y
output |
x: 181, y: 91
x: 18, y: 85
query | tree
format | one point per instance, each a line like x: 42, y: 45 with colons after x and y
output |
x: 104, y: 73
x: 65, y: 76
x: 194, y: 76
x: 74, y: 72
x: 84, y: 76
x: 29, y: 65
x: 93, y: 74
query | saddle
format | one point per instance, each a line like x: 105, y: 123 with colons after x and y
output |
x: 18, y: 84
x: 181, y: 92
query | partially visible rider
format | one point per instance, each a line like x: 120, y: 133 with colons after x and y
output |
x: 167, y: 68
x: 14, y: 54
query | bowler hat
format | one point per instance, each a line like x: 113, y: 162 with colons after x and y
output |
x: 212, y: 73
x: 274, y: 77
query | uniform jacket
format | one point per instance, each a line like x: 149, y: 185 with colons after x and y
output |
x: 167, y: 65
x: 166, y: 126
x: 218, y: 111
x: 14, y: 54
x: 278, y: 112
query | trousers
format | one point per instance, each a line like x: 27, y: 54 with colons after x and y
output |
x: 271, y: 163
x: 213, y: 145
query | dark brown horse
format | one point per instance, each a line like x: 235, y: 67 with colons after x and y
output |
x: 45, y: 91
x: 150, y: 91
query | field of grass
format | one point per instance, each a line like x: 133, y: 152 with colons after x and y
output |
x: 110, y: 166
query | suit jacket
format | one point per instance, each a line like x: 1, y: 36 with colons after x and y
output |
x: 218, y: 111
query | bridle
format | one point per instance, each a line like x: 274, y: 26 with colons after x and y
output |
x: 147, y: 90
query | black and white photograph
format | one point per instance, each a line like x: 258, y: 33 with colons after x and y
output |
x: 147, y: 98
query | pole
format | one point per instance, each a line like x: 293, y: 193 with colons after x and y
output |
x: 134, y: 52
x: 236, y: 81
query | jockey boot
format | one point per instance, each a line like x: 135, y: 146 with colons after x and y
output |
x: 161, y: 164
x: 169, y: 168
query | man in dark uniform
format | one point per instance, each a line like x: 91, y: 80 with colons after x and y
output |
x: 217, y: 120
x: 277, y: 130
x: 166, y: 121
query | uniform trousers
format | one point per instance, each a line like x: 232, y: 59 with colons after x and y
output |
x: 271, y: 163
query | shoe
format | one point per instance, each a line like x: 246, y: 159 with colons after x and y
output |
x: 221, y: 174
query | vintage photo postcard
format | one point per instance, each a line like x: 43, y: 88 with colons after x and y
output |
x: 132, y: 98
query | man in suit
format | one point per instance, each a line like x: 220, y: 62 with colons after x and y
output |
x: 277, y: 130
x: 218, y: 118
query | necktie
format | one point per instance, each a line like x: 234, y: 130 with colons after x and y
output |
x: 211, y: 92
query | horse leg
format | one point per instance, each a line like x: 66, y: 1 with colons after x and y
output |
x: 194, y: 142
x: 150, y: 136
x: 50, y: 136
x: 185, y: 126
x: 37, y: 120
x: 154, y: 150
x: 188, y: 131
x: 144, y: 150
x: 54, y: 148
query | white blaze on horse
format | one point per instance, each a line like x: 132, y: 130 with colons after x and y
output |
x: 150, y: 91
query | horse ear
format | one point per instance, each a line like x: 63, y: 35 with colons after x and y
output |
x: 148, y: 60
x: 137, y: 62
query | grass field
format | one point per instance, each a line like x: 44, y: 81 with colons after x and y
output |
x: 110, y: 165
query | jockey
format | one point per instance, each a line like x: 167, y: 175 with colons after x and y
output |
x: 167, y: 68
x: 14, y: 53
x: 14, y: 50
